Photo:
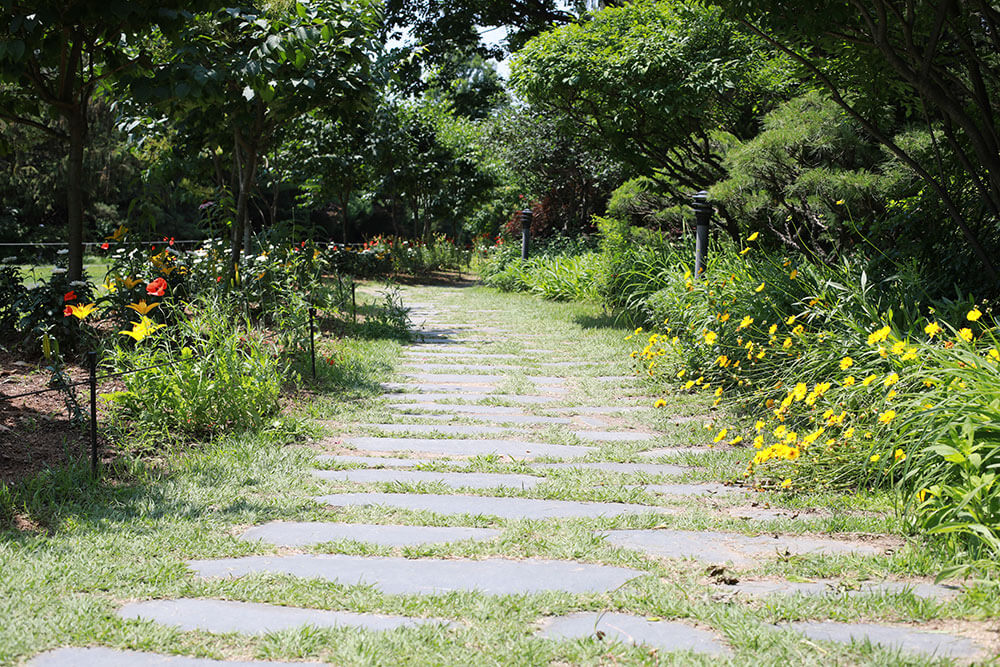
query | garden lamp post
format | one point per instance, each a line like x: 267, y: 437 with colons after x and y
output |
x: 702, y: 216
x: 525, y: 217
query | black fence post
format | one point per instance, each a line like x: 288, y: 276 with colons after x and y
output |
x: 702, y: 216
x: 312, y: 336
x: 92, y: 361
x: 525, y: 217
x: 354, y: 301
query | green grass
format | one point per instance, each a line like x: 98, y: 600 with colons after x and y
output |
x: 127, y: 539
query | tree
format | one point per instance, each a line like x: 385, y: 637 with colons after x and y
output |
x: 55, y: 56
x: 246, y: 72
x: 939, y: 58
x: 661, y: 85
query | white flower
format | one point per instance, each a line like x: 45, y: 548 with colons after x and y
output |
x: 9, y: 260
x: 64, y: 251
x: 78, y: 283
x: 57, y: 270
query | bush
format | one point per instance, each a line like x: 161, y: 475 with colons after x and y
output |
x: 213, y: 373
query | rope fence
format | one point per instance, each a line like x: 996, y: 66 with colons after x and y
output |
x: 93, y: 378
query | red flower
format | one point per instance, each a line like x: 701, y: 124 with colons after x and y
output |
x: 105, y: 245
x: 67, y: 311
x: 218, y: 279
x: 157, y: 288
x: 69, y: 296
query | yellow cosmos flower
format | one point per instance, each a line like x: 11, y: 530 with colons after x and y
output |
x: 874, y: 458
x: 724, y: 317
x: 660, y: 403
x: 759, y: 288
x: 932, y: 329
x: 786, y: 484
x: 794, y: 274
x: 846, y: 363
x: 879, y: 335
x: 710, y: 337
x: 745, y: 322
x: 787, y: 343
x: 891, y: 379
x: 744, y: 251
x: 965, y: 334
x: 899, y: 455
x: 790, y: 320
x: 868, y: 380
x: 737, y: 440
x: 773, y: 329
x: 848, y: 381
x: 887, y: 417
x: 758, y: 442
x: 759, y: 425
x: 721, y: 435
x: 994, y: 354
x: 974, y: 315
x: 753, y: 237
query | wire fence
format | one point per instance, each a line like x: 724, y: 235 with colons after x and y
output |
x: 93, y: 379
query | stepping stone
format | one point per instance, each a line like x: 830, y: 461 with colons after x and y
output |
x: 253, y: 618
x: 448, y: 429
x: 595, y: 422
x: 304, y: 533
x: 602, y: 409
x: 457, y: 480
x: 459, y: 368
x: 706, y: 489
x: 442, y: 347
x: 729, y: 547
x: 613, y: 378
x: 407, y: 576
x: 494, y: 412
x: 624, y: 468
x: 767, y: 513
x: 472, y: 378
x: 460, y: 391
x: 387, y: 461
x: 635, y: 630
x: 837, y: 588
x: 503, y: 507
x: 451, y: 396
x: 613, y: 436
x: 673, y: 451
x: 467, y: 447
x: 894, y: 637
x: 429, y: 354
x: 569, y: 364
x: 106, y: 657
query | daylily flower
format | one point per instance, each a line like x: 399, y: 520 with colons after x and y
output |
x: 80, y: 312
x: 142, y: 308
x: 141, y: 329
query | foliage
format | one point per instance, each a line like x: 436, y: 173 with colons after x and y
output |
x: 214, y: 373
x: 47, y: 325
x: 12, y: 292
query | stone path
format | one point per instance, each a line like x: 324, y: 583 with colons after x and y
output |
x: 486, y: 483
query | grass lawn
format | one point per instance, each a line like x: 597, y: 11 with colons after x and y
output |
x: 78, y: 551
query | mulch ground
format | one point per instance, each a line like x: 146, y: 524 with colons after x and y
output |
x: 36, y: 431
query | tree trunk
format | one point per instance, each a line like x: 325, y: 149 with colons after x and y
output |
x: 77, y: 121
x: 247, y: 168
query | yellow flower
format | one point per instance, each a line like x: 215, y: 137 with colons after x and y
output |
x: 787, y: 343
x: 794, y: 274
x: 922, y: 494
x: 874, y: 458
x: 780, y: 431
x: 745, y: 322
x: 710, y: 337
x: 932, y: 329
x: 974, y: 314
x: 891, y: 379
x: 737, y: 440
x: 758, y: 442
x: 787, y: 483
x: 868, y: 380
x: 849, y: 433
x: 994, y: 354
x: 131, y: 282
x: 887, y: 416
x: 753, y: 237
x: 891, y: 395
x: 759, y: 288
x: 724, y: 317
x: 840, y: 202
x: 790, y: 320
x: 965, y: 334
x: 142, y: 308
x: 744, y: 251
x: 898, y: 348
x: 141, y: 329
x: 773, y: 329
x: 718, y: 392
x: 689, y: 384
x: 899, y: 455
x: 660, y: 403
x: 81, y: 312
x: 759, y: 425
x: 846, y: 363
x: 799, y: 330
x: 848, y: 381
x: 879, y: 335
x: 721, y: 435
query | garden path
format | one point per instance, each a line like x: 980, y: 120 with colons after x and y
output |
x: 507, y: 461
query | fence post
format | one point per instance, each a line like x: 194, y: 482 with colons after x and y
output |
x: 354, y: 301
x: 92, y: 362
x: 702, y: 216
x: 312, y: 344
x: 525, y: 217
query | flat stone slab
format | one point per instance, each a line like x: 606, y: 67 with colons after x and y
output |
x: 705, y: 489
x: 635, y: 630
x: 411, y: 354
x: 468, y: 410
x: 456, y: 480
x: 837, y: 588
x: 253, y: 618
x: 729, y: 547
x: 467, y: 447
x: 505, y: 508
x: 469, y: 396
x: 602, y: 409
x: 569, y: 364
x: 674, y: 451
x: 303, y: 533
x: 613, y: 436
x: 464, y: 392
x: 624, y: 468
x: 897, y: 637
x: 106, y: 657
x: 445, y: 429
x: 473, y: 378
x: 442, y: 347
x: 405, y: 576
x: 459, y: 367
x: 387, y: 461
